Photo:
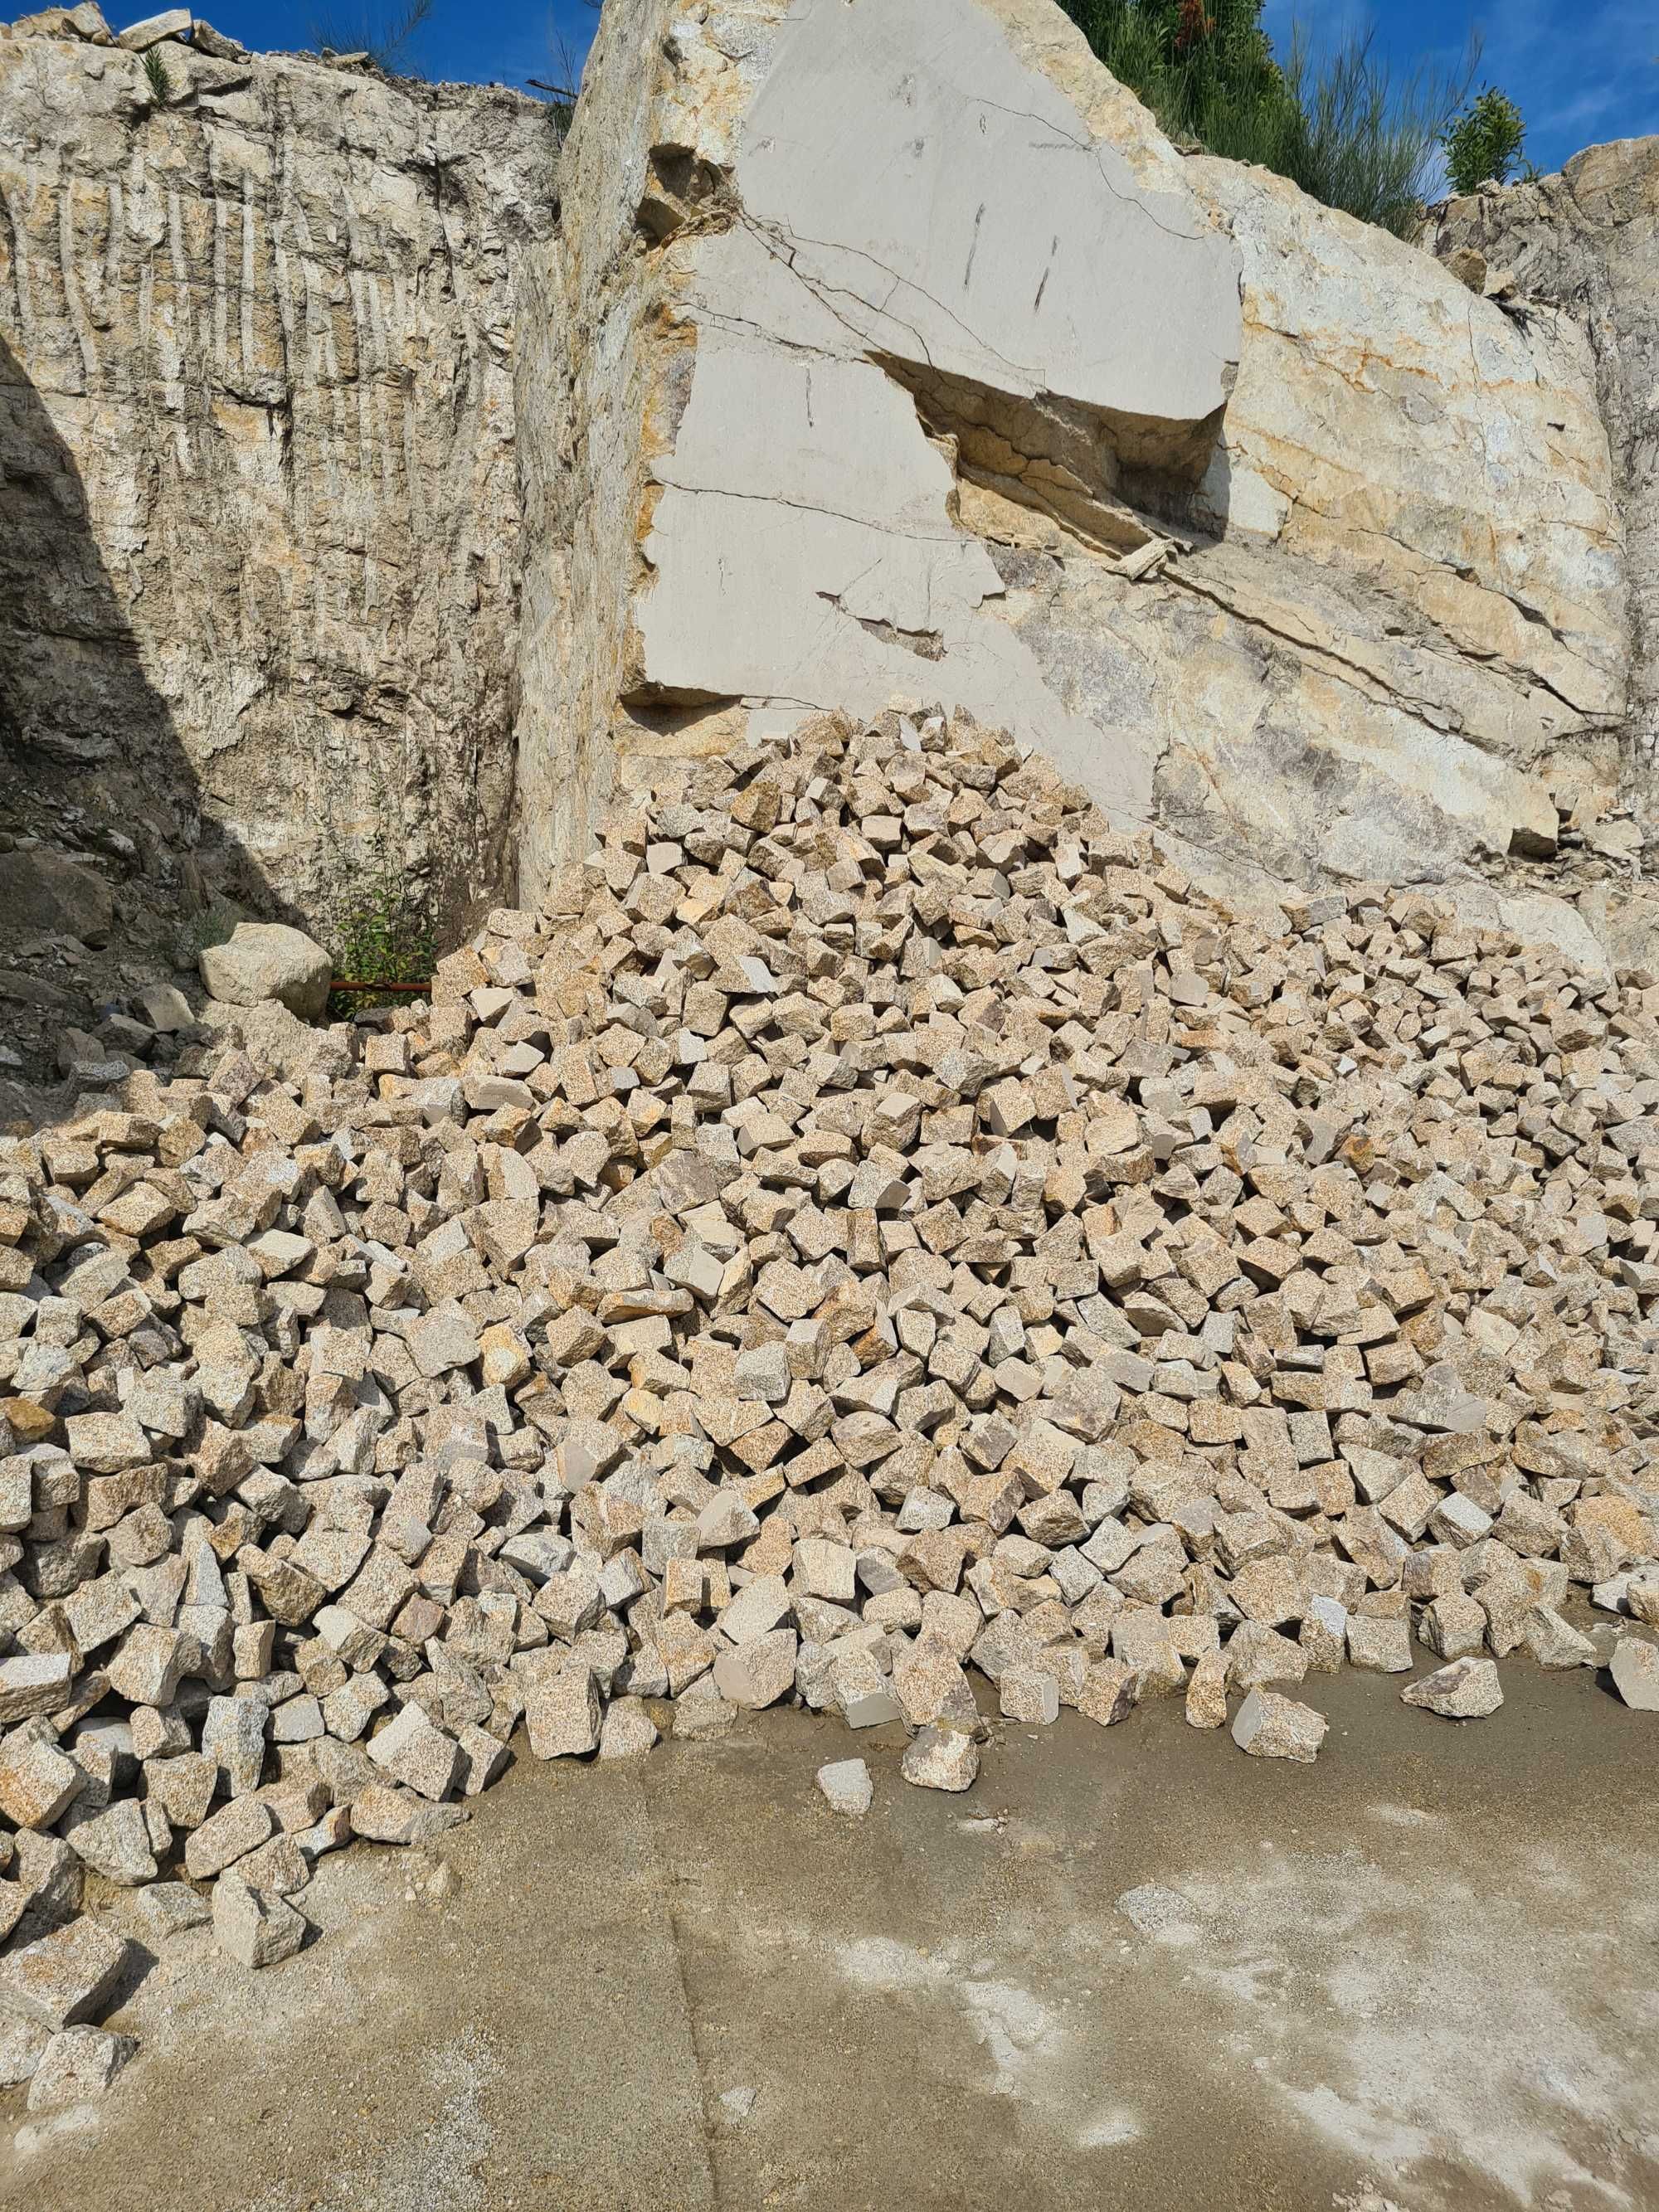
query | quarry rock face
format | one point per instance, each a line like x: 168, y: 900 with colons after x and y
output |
x: 1408, y: 524
x: 910, y: 360
x: 1582, y: 250
x: 385, y: 487
x: 823, y: 227
x: 259, y: 513
x: 913, y: 1191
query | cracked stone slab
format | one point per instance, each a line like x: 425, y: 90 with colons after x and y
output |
x: 904, y: 387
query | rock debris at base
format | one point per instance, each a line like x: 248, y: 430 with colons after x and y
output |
x: 878, y: 1224
x: 1465, y: 1690
x: 847, y: 1786
x: 1269, y: 1726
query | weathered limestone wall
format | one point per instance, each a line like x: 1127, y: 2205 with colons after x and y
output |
x: 583, y: 393
x: 542, y: 657
x: 259, y: 534
x: 1400, y: 632
x: 911, y: 360
x: 1586, y: 243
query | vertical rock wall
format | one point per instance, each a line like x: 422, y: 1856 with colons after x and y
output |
x: 1586, y: 245
x: 259, y: 516
x: 781, y: 224
x: 589, y: 382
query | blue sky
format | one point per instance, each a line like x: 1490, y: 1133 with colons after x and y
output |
x: 1581, y: 70
x: 507, y: 43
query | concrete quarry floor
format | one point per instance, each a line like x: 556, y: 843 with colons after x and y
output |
x: 1423, y: 1973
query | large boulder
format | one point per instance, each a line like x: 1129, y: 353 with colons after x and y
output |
x: 267, y: 960
x: 170, y: 23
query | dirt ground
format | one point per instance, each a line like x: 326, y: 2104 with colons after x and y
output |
x: 1131, y: 1968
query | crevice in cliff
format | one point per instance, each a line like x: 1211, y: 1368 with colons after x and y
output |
x: 660, y: 711
x: 925, y: 644
x: 1076, y: 466
x: 1366, y: 680
x: 810, y: 507
x: 683, y: 192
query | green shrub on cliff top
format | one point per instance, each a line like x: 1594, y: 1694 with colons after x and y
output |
x: 1345, y: 130
x: 1483, y: 145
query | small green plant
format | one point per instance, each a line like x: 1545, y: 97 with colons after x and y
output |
x: 156, y: 71
x: 380, y: 935
x: 1483, y: 144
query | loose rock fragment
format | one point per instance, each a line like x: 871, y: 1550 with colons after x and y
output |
x: 240, y: 1827
x: 115, y: 1842
x: 268, y: 960
x: 941, y: 1758
x: 562, y: 1715
x: 702, y: 1713
x: 78, y: 2063
x: 1029, y: 1694
x: 1206, y: 1693
x: 412, y: 1751
x: 23, y: 2044
x: 1269, y: 1726
x: 1466, y: 1690
x: 847, y: 1786
x: 862, y: 1692
x: 66, y: 1977
x: 32, y: 1684
x: 757, y: 1674
x: 628, y: 1730
x: 384, y: 1814
x: 1554, y: 1641
x: 168, y: 1908
x: 484, y: 1757
x: 253, y: 1927
x: 37, y: 1783
x: 1383, y: 1645
x: 1635, y: 1670
x: 736, y: 2105
x: 1109, y: 1693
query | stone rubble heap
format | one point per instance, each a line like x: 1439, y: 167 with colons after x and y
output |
x: 878, y: 1222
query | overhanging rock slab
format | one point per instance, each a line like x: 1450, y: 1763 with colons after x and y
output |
x: 847, y: 219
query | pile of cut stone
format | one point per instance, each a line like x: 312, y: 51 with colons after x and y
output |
x: 878, y: 1222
